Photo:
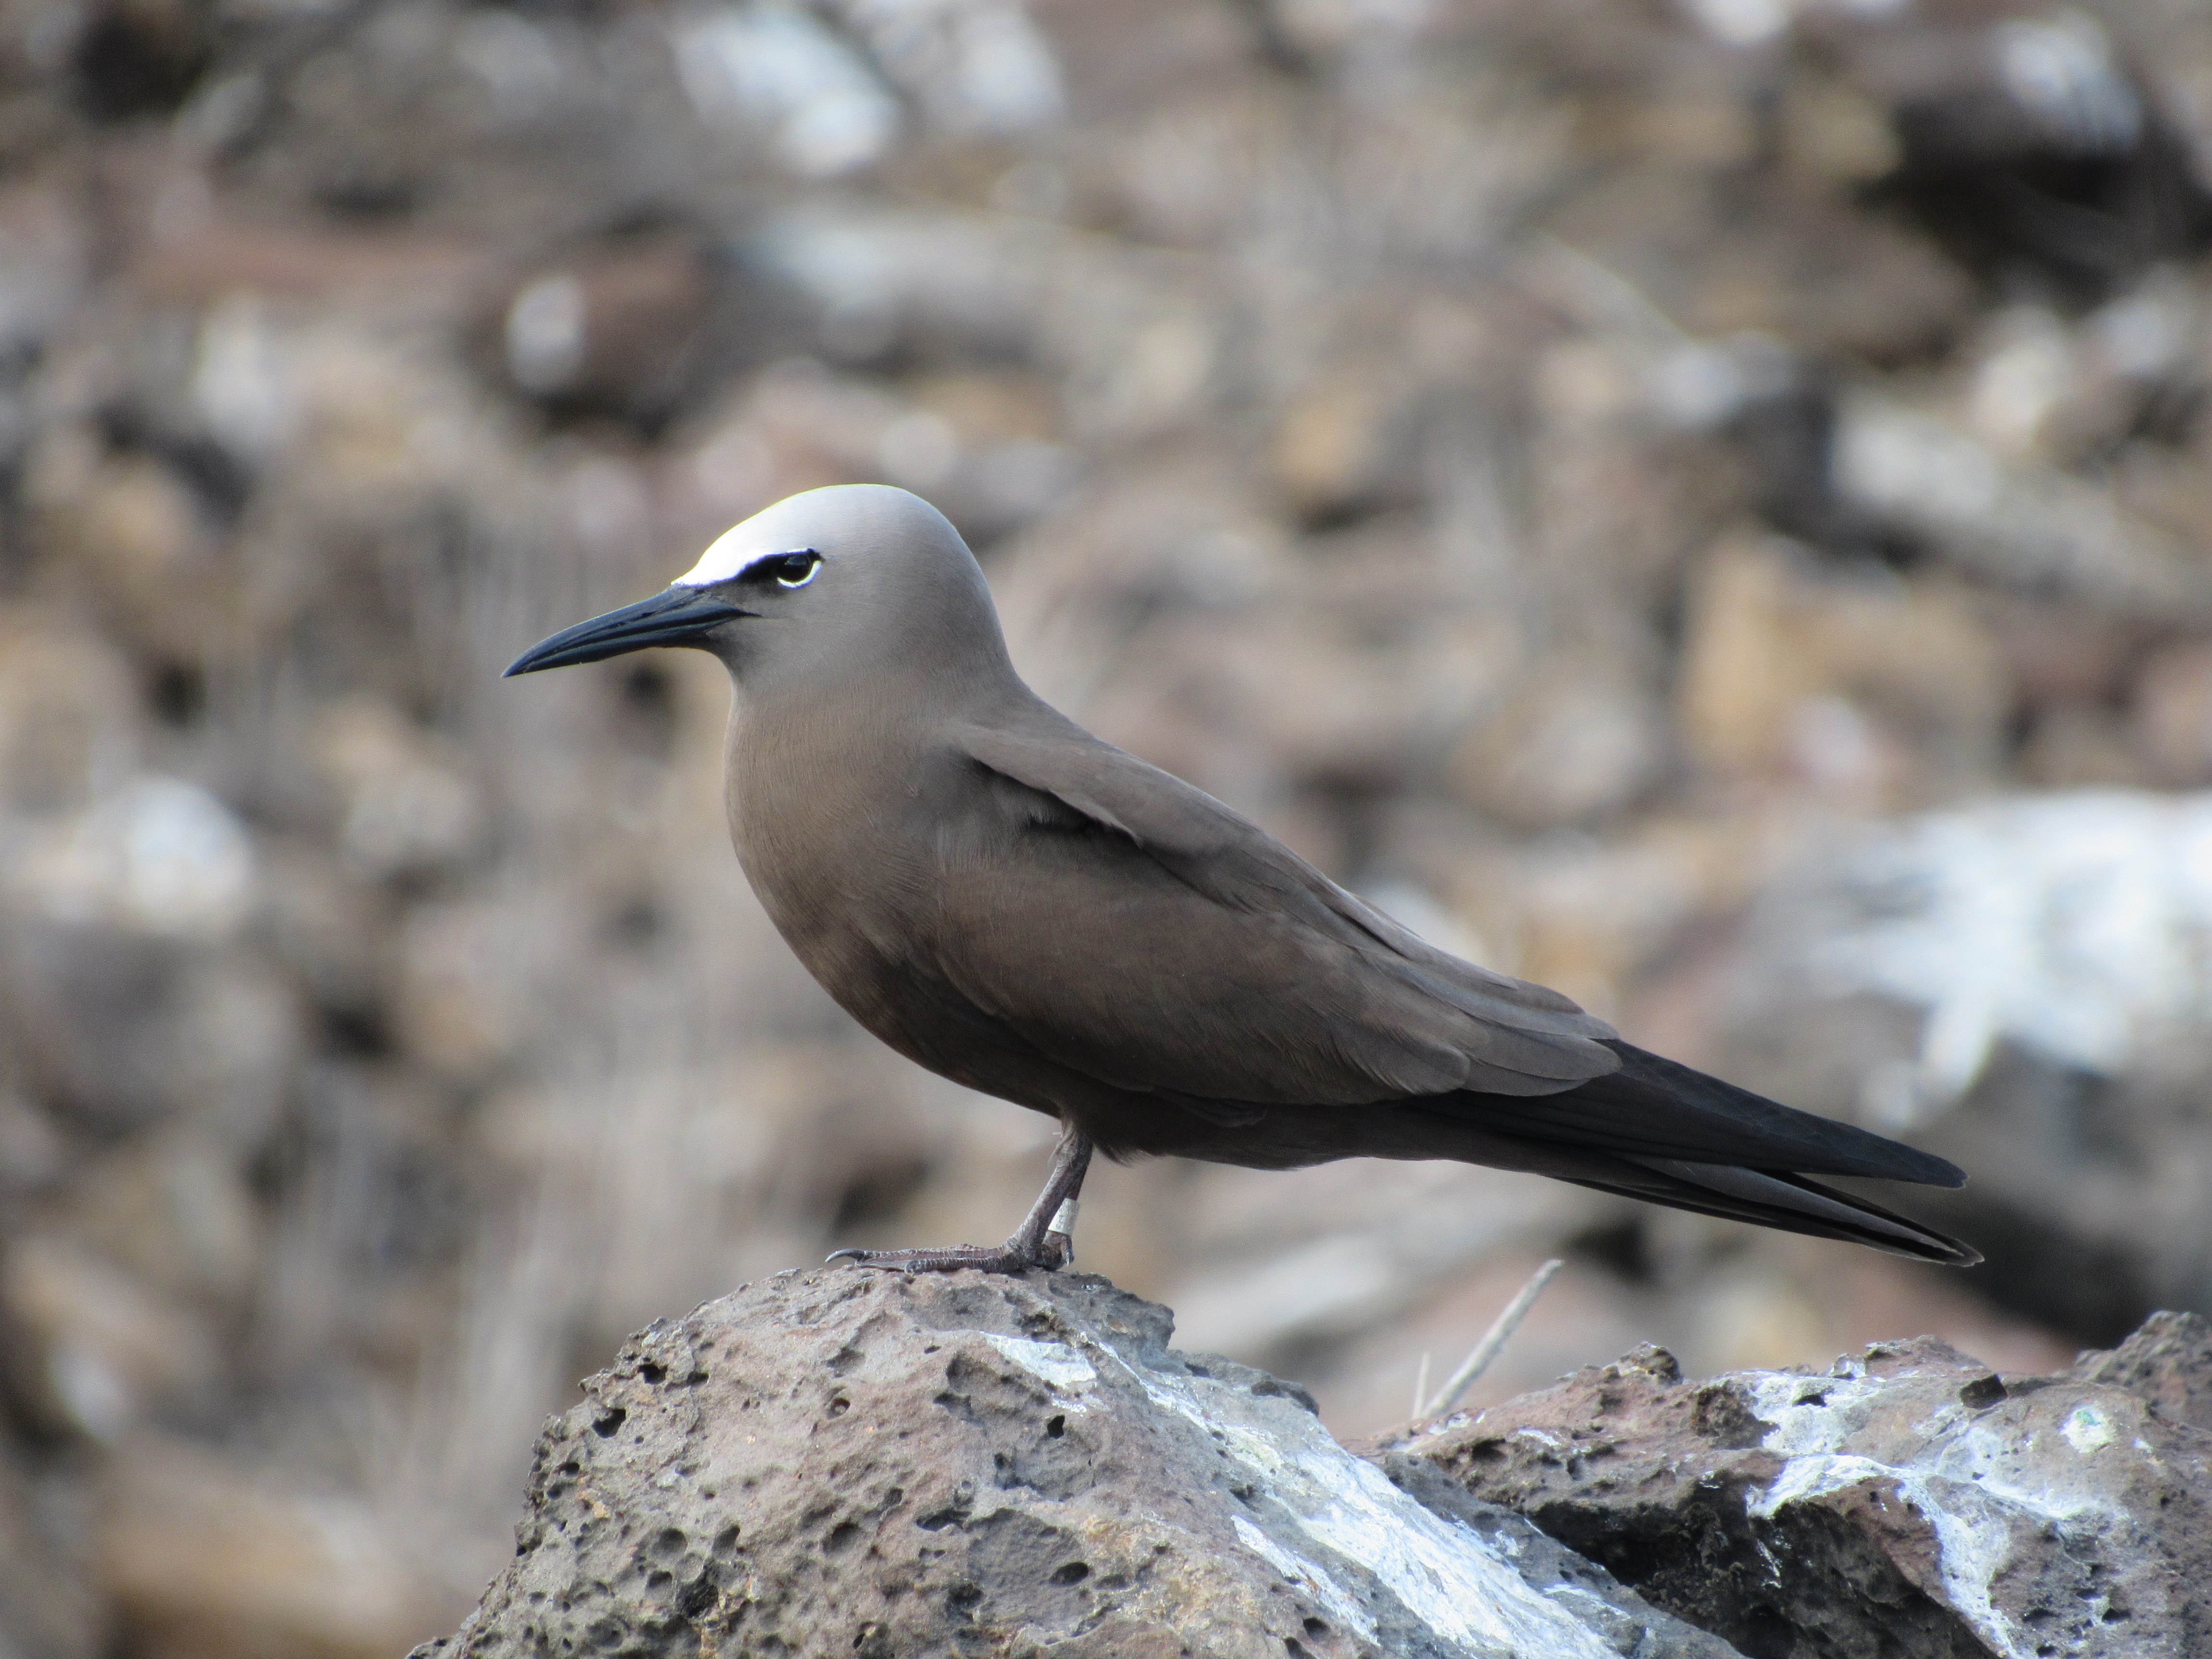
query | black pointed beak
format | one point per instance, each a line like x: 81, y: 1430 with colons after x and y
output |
x: 680, y: 615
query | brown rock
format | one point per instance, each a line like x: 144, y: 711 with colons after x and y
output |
x: 67, y: 705
x: 1344, y: 443
x: 1577, y: 743
x: 1855, y: 681
x: 1849, y: 999
x: 2167, y: 1361
x: 844, y: 1461
x: 2174, y: 713
x: 108, y: 1349
x: 406, y: 807
x: 619, y: 327
x: 1910, y: 1502
x: 2010, y: 524
x: 205, y: 1556
x: 133, y: 532
x: 48, y: 1607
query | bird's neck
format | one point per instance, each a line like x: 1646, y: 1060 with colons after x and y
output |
x: 832, y: 802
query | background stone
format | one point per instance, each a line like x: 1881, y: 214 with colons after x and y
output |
x: 1910, y: 1501
x: 856, y: 1461
x: 1606, y: 480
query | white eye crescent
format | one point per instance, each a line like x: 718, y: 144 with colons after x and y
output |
x: 796, y: 569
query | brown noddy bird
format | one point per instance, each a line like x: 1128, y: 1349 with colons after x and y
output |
x: 1025, y: 909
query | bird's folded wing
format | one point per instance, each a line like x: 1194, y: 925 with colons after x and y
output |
x: 1655, y: 1108
x: 1193, y: 955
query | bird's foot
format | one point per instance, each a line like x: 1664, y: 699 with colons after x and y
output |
x: 1050, y: 1253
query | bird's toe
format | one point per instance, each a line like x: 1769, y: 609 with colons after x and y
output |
x: 984, y: 1258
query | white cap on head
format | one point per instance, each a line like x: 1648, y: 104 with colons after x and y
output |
x: 837, y: 518
x: 729, y: 553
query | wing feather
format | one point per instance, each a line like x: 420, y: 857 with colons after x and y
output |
x: 1211, y: 960
x: 1655, y: 1108
x: 1206, y: 963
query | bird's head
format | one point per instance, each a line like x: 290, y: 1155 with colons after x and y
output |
x: 834, y: 583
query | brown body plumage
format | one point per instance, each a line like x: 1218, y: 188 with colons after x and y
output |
x: 1014, y: 903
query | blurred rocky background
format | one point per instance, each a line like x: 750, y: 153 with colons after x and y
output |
x: 1707, y: 503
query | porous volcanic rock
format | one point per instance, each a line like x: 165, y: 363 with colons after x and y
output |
x: 1907, y: 1504
x: 2167, y: 1361
x: 851, y: 1462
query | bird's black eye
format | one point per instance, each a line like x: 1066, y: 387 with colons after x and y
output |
x: 789, y: 569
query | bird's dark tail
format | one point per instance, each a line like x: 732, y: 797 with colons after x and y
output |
x: 1660, y: 1131
x: 1790, y: 1203
x: 1655, y: 1108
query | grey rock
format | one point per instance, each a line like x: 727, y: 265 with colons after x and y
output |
x: 2026, y: 1041
x: 847, y: 1462
x: 2167, y: 1362
x: 1907, y: 1503
x: 49, y: 1605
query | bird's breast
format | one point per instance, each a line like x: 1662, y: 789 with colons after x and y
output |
x: 835, y: 829
x: 849, y: 848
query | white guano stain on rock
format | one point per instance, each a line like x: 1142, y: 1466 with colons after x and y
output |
x: 1442, y: 1572
x: 1317, y: 1580
x: 1162, y: 1494
x: 1965, y: 1483
x: 1054, y: 1363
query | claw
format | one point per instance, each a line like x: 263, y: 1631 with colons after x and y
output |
x: 984, y: 1258
x: 1039, y: 1242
